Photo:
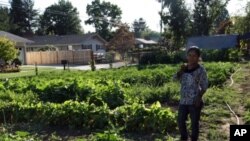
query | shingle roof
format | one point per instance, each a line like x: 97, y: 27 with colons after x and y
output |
x: 14, y: 38
x: 64, y: 39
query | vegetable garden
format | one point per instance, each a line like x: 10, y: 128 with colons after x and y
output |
x: 126, y: 100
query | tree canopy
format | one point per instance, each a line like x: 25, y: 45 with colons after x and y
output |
x: 122, y: 41
x: 60, y: 19
x: 176, y: 20
x: 103, y: 15
x: 4, y: 19
x: 23, y: 17
x: 208, y: 13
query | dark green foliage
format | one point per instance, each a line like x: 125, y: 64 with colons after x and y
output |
x: 207, y: 13
x: 17, y: 61
x: 177, y: 20
x: 60, y: 19
x: 162, y: 57
x: 23, y: 17
x: 103, y: 15
x: 139, y: 26
x: 4, y: 19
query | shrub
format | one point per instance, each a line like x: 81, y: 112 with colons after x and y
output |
x: 7, y: 49
x: 138, y: 118
x: 17, y: 62
x: 215, y: 55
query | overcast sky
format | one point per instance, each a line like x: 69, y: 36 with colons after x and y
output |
x: 133, y: 9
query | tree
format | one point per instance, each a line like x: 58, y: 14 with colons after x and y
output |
x: 219, y: 17
x: 139, y: 26
x: 247, y: 19
x: 176, y: 20
x: 224, y: 27
x: 238, y: 25
x: 23, y: 18
x: 148, y: 34
x: 161, y: 12
x: 103, y: 15
x: 8, y: 51
x: 205, y: 13
x: 4, y: 19
x: 60, y: 19
x: 200, y: 17
x: 122, y: 41
x: 241, y: 24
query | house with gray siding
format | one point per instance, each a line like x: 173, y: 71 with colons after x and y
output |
x: 68, y: 42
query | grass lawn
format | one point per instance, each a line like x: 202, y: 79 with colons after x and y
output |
x: 27, y: 71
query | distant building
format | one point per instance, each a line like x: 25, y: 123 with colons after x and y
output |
x: 142, y: 43
x: 214, y: 42
x: 68, y: 42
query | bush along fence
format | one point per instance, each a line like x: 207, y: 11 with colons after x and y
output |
x: 164, y: 57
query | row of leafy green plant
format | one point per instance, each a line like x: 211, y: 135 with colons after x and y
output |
x: 83, y: 115
x: 116, y: 98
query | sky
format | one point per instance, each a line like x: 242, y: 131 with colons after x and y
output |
x: 132, y: 9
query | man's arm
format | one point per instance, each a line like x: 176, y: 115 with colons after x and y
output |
x: 178, y: 75
x: 203, y: 84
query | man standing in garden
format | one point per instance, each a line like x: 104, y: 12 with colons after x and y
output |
x: 194, y: 83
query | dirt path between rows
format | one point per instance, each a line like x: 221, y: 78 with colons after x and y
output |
x: 242, y: 87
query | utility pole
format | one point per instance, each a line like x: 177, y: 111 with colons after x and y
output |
x: 161, y: 24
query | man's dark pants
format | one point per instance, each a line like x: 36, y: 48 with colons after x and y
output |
x: 195, y: 113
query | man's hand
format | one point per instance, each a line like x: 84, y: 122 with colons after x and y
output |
x: 197, y: 101
x: 181, y: 70
x: 183, y: 67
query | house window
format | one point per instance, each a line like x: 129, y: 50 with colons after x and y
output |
x: 29, y: 49
x: 87, y: 46
x: 98, y: 47
x: 70, y: 47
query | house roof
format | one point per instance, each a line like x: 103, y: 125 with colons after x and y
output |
x: 143, y: 41
x: 214, y: 42
x: 14, y: 38
x: 64, y: 39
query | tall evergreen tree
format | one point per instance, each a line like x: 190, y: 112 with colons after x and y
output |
x: 139, y: 26
x: 206, y: 14
x: 201, y: 24
x: 4, y: 19
x: 23, y: 17
x: 176, y: 21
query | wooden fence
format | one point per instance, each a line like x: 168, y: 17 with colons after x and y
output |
x: 55, y: 57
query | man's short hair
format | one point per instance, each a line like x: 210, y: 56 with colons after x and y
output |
x: 195, y: 49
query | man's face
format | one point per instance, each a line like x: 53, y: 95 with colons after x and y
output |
x: 192, y: 57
